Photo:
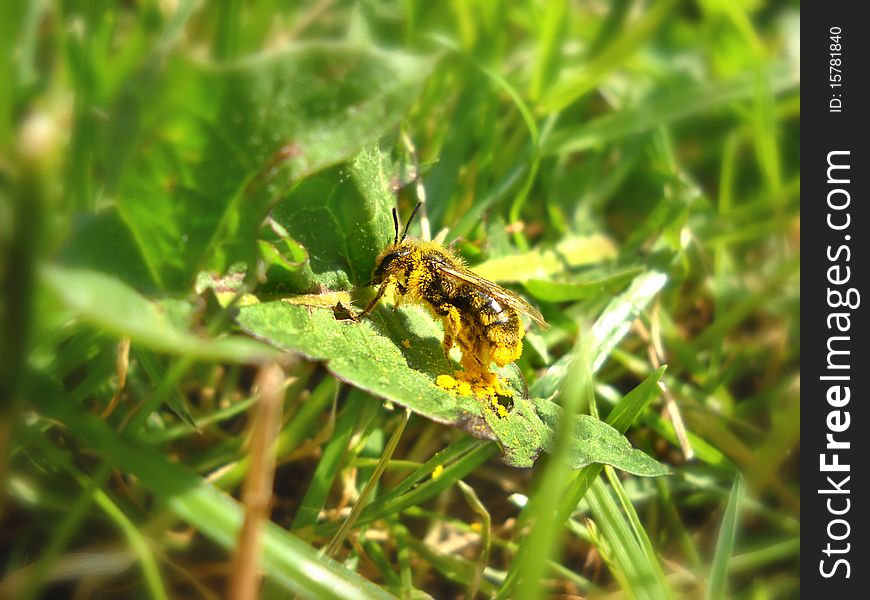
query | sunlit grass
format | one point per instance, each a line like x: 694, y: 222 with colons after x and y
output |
x: 632, y: 168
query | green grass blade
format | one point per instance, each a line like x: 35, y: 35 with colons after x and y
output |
x: 675, y: 106
x: 638, y: 568
x: 645, y: 547
x: 543, y: 541
x: 485, y: 534
x: 328, y: 466
x: 620, y: 50
x: 286, y: 559
x: 717, y: 584
x: 623, y: 415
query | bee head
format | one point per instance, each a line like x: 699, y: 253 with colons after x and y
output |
x: 389, y: 262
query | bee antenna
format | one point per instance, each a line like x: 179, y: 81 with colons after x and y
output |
x: 396, y: 225
x: 410, y: 219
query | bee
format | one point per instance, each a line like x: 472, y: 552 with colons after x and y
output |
x: 479, y: 316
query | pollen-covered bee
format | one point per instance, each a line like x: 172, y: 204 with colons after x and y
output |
x: 480, y: 317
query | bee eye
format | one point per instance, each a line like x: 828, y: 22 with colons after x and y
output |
x: 384, y: 268
x: 388, y: 260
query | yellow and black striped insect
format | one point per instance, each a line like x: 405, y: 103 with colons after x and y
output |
x: 479, y: 316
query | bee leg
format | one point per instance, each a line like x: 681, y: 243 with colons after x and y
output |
x: 446, y: 345
x: 476, y: 358
x: 373, y: 303
x: 402, y: 291
x: 471, y: 362
x: 452, y: 327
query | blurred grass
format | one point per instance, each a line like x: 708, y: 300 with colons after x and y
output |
x: 629, y: 160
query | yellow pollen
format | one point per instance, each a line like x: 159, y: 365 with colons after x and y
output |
x: 445, y: 382
x: 481, y: 384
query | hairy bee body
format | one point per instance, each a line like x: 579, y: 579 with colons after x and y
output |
x: 484, y: 328
x: 480, y: 317
x: 477, y: 315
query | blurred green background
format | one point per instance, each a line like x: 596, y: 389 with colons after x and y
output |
x: 631, y: 167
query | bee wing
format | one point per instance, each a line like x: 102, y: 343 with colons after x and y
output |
x: 496, y: 291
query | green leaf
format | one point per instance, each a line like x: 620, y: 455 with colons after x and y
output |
x: 86, y: 249
x: 587, y: 287
x: 341, y: 217
x: 117, y: 309
x: 595, y: 441
x: 397, y: 355
x: 226, y: 142
x: 289, y: 255
x: 371, y: 356
x: 572, y: 252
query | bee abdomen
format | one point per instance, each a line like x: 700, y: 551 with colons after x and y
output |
x: 504, y: 332
x: 502, y: 329
x: 505, y: 340
x: 493, y: 313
